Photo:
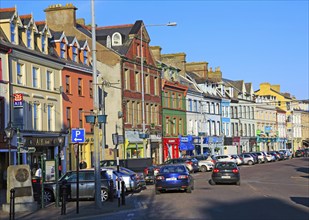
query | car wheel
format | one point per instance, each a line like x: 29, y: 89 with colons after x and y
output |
x: 250, y: 162
x: 189, y: 190
x: 104, y: 195
x: 211, y: 182
x: 238, y: 183
x: 203, y: 168
x: 48, y: 196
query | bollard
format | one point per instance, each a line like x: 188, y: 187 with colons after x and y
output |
x: 64, y: 198
x: 123, y: 193
x: 111, y: 190
x: 12, y: 204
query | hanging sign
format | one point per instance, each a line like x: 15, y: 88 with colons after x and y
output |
x: 18, y: 100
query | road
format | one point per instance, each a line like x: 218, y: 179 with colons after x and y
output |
x: 277, y: 190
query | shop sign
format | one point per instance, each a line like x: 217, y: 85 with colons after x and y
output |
x: 18, y: 100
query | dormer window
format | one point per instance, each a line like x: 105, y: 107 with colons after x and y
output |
x: 13, y: 32
x: 63, y: 50
x: 29, y: 38
x: 108, y: 42
x: 86, y: 57
x: 75, y: 54
x: 117, y: 41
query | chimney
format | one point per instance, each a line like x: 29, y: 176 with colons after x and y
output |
x: 80, y: 21
x: 265, y: 86
x: 176, y: 59
x: 201, y: 68
x: 156, y: 52
x: 276, y: 88
x: 60, y: 17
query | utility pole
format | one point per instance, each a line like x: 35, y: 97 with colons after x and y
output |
x: 95, y: 109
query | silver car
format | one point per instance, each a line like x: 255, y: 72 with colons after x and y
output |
x: 128, y: 176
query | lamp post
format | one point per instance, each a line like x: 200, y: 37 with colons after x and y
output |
x: 9, y: 131
x: 144, y: 136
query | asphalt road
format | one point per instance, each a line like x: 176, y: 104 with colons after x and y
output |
x: 274, y: 191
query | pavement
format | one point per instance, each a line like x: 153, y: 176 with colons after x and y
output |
x: 87, y: 209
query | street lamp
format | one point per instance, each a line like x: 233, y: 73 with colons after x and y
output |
x: 143, y: 135
x: 9, y: 131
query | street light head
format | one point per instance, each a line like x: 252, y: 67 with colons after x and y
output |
x: 171, y: 24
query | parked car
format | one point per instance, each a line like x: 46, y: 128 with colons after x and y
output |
x: 239, y: 159
x: 86, y: 185
x: 174, y: 177
x: 270, y: 157
x: 260, y: 156
x: 225, y: 158
x: 279, y: 156
x: 150, y: 172
x: 129, y: 177
x: 299, y: 153
x: 248, y: 158
x: 225, y: 172
x: 206, y: 165
x: 186, y: 161
x: 287, y: 153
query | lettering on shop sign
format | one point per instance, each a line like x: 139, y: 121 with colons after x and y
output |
x: 41, y: 141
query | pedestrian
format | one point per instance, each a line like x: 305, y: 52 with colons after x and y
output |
x: 38, y: 172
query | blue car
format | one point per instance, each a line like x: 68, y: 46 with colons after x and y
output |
x: 174, y: 177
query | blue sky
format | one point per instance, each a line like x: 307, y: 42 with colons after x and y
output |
x: 257, y: 41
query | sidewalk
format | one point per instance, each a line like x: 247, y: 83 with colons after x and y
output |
x: 86, y: 210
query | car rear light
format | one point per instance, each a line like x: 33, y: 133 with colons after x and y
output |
x: 235, y: 170
x: 189, y: 162
x: 146, y: 170
x: 216, y: 170
x: 35, y: 181
x: 160, y: 177
x: 181, y: 177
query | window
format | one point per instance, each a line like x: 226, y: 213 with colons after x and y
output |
x: 108, y: 42
x: 180, y: 126
x: 218, y: 128
x: 85, y: 57
x: 75, y: 54
x: 67, y: 84
x: 43, y: 43
x: 116, y: 38
x: 13, y: 33
x: 179, y: 101
x: 35, y: 77
x: 167, y: 125
x: 80, y: 86
x: 36, y: 115
x: 29, y: 39
x: 207, y: 107
x: 137, y: 81
x: 173, y: 101
x: 147, y: 83
x: 68, y: 116
x: 49, y: 80
x: 134, y: 111
x: 139, y: 113
x: 80, y: 118
x: 90, y: 89
x: 195, y: 105
x: 50, y: 118
x: 190, y: 105
x: 20, y: 73
x: 148, y: 113
x: 63, y: 50
x: 129, y: 113
x: 156, y: 86
x: 127, y: 79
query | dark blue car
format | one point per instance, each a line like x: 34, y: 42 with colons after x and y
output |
x: 174, y: 177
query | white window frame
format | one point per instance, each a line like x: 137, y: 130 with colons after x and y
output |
x: 116, y: 39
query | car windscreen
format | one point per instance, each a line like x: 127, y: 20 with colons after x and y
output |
x: 226, y: 165
x: 173, y: 169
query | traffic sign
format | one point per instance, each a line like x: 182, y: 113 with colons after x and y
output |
x: 78, y: 135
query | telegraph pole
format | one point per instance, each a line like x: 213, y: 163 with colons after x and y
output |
x: 95, y: 109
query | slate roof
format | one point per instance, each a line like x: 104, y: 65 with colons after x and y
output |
x: 248, y: 87
x: 56, y: 34
x: 124, y: 30
x: 25, y: 19
x: 70, y: 39
x: 84, y: 29
x: 7, y: 13
x: 40, y: 25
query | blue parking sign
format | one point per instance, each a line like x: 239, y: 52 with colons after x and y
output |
x: 78, y: 135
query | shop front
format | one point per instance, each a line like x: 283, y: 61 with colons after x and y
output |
x: 186, y: 145
x: 134, y: 146
x: 155, y: 144
x: 170, y: 148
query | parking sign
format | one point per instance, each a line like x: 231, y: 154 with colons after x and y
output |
x: 78, y: 135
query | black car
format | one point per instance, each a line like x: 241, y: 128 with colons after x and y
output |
x: 225, y: 172
x: 69, y: 180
